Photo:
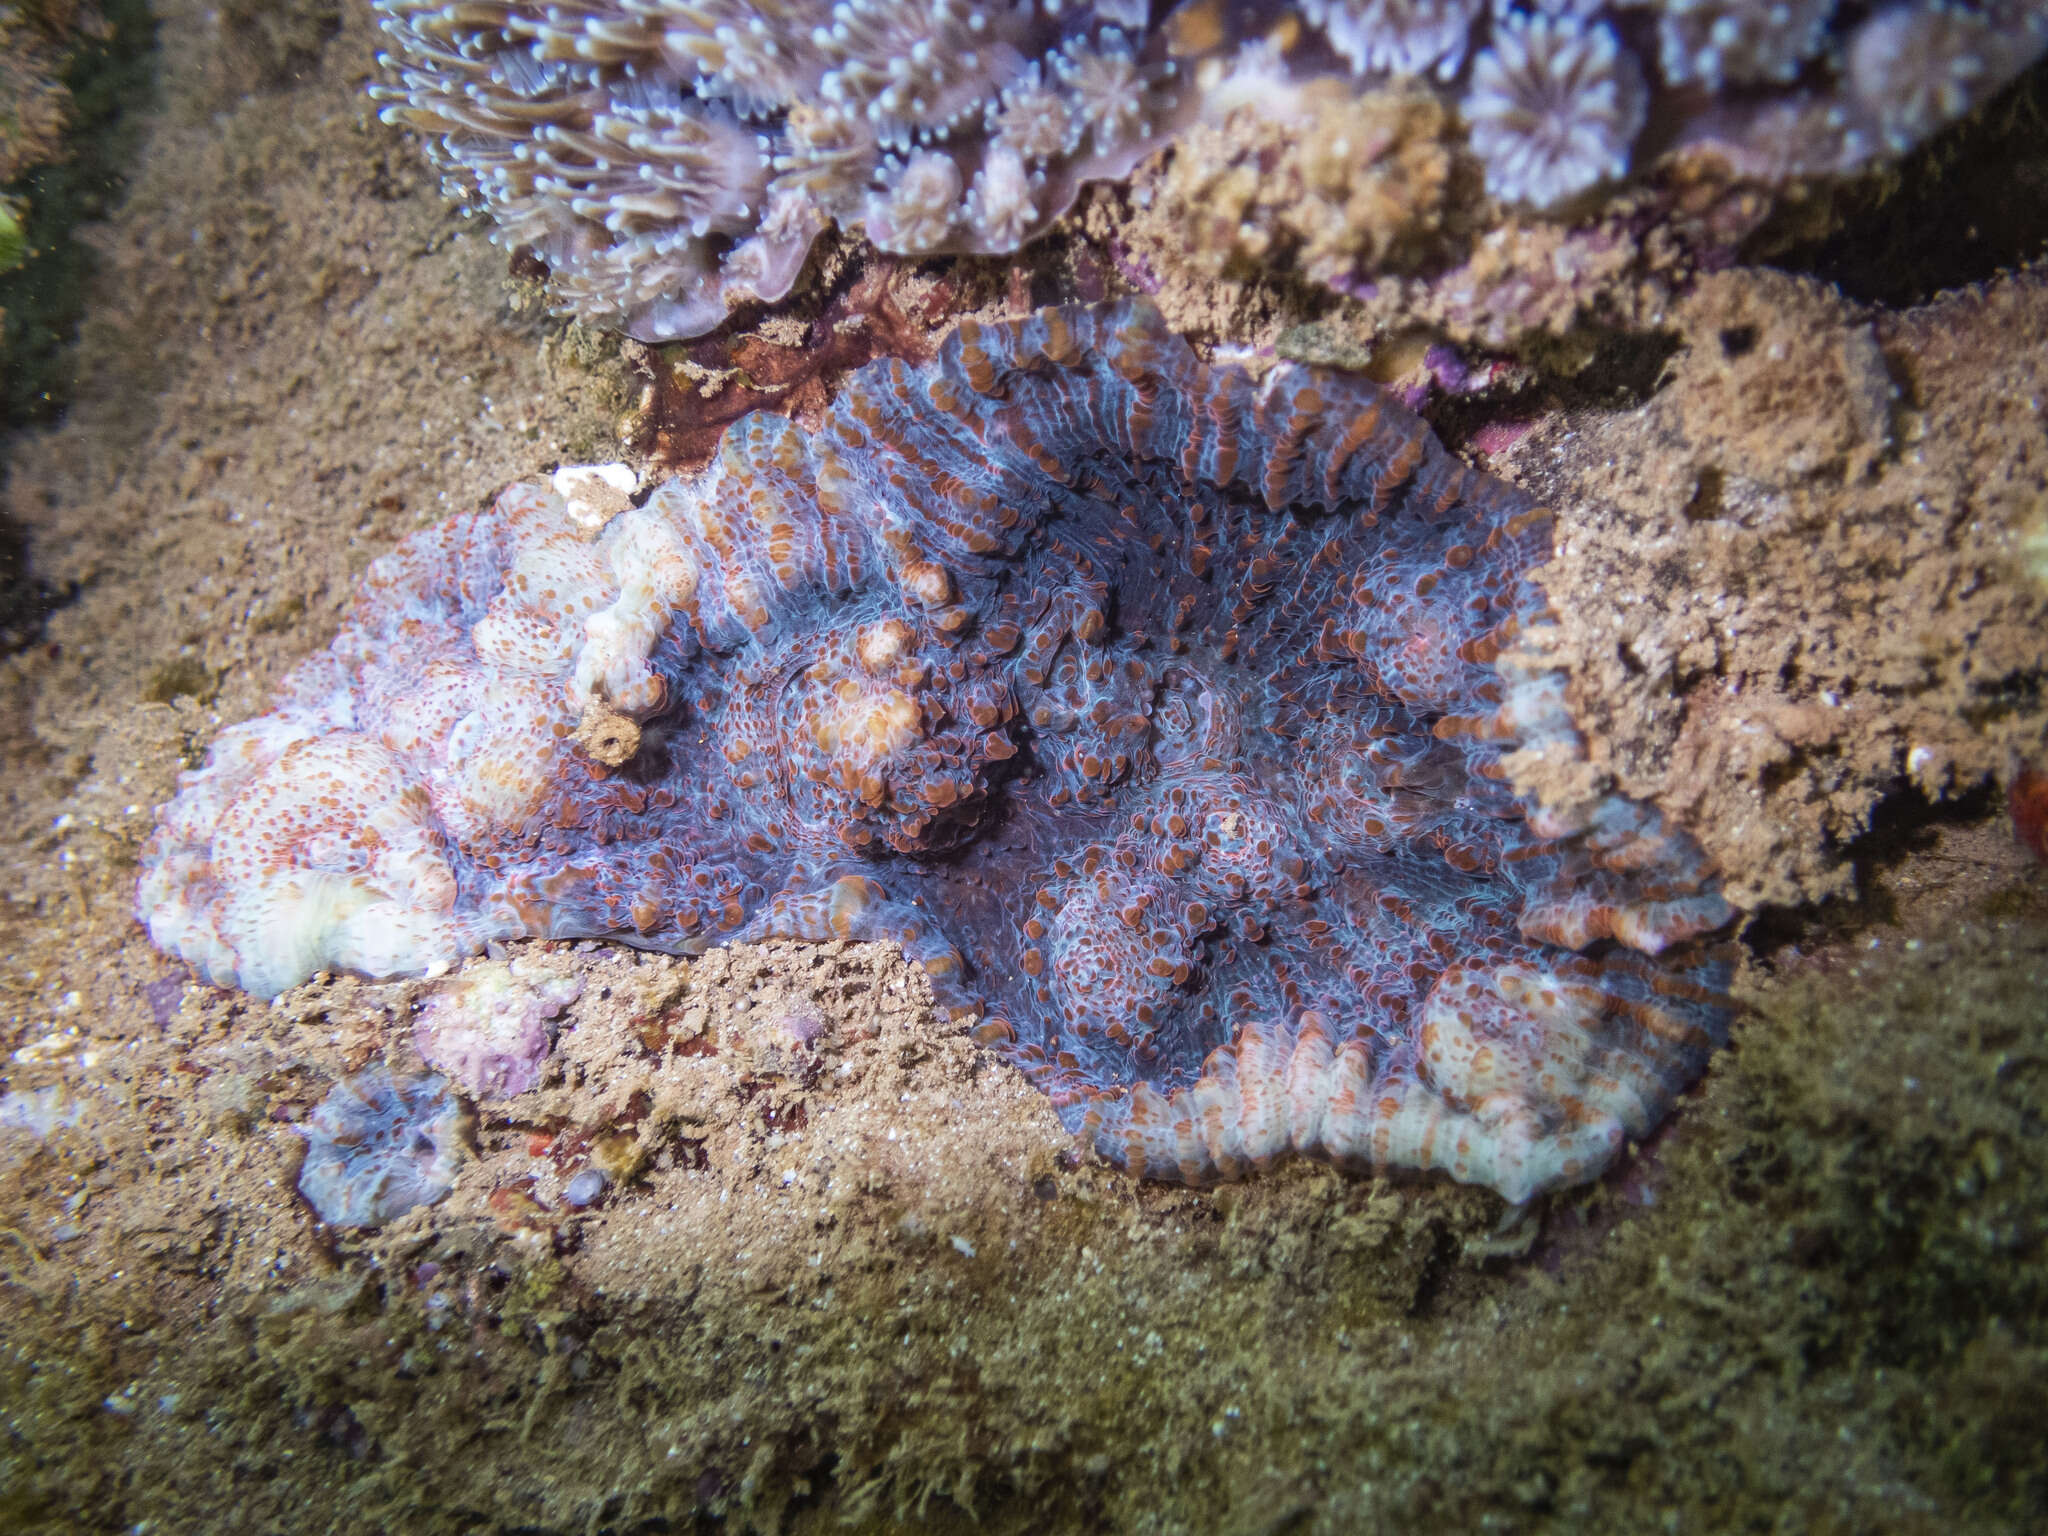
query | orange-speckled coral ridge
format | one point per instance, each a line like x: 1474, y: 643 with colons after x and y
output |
x: 1159, y: 711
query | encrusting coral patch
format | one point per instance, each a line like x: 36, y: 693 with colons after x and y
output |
x: 669, y: 159
x: 377, y: 1146
x: 1159, y: 713
x: 488, y: 1029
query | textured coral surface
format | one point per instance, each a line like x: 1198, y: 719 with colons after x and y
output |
x: 1157, y: 712
x: 1817, y: 1300
x: 377, y: 1146
x: 670, y: 159
x: 1795, y: 582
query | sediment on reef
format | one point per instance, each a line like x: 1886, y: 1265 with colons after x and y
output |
x: 1828, y: 1255
x: 856, y: 1273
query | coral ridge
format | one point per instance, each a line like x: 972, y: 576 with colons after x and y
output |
x: 1159, y: 712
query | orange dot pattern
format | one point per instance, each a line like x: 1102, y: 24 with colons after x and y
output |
x: 1158, y: 710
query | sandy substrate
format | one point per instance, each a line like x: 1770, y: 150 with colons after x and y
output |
x: 853, y: 1270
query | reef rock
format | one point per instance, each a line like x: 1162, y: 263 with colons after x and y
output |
x: 1797, y: 583
x: 1160, y: 713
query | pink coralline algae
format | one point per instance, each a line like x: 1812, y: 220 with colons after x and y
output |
x: 670, y: 159
x: 377, y: 1146
x: 488, y: 1027
x: 1160, y: 712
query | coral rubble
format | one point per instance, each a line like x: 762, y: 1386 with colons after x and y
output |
x: 1156, y: 712
x: 1346, y: 182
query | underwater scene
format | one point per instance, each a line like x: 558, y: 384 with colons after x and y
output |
x: 1158, y: 766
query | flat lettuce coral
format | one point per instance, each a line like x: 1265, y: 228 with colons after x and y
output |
x: 1158, y: 711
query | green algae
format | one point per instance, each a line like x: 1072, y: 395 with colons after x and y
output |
x: 13, y: 239
x: 1817, y: 1303
x: 45, y: 294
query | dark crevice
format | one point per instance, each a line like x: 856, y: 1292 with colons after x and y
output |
x: 1967, y: 204
x: 112, y: 83
x: 1625, y: 370
x: 1708, y: 500
x: 26, y: 599
x: 1904, y: 824
x: 1738, y: 341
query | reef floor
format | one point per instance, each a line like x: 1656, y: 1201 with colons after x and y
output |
x: 854, y: 1272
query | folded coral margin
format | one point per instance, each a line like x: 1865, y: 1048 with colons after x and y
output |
x: 1159, y: 712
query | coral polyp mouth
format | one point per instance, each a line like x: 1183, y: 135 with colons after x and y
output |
x: 1160, y: 712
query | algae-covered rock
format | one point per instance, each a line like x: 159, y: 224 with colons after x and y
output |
x: 846, y: 1269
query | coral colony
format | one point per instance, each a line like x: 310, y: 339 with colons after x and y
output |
x: 377, y: 1146
x: 1159, y: 712
x: 488, y: 1029
x: 667, y: 159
